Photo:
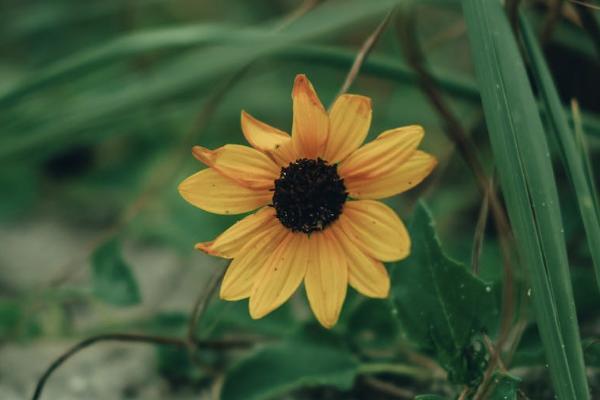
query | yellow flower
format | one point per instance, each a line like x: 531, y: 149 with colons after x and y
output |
x: 315, y: 191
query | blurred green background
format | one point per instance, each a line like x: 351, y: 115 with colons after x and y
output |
x: 100, y: 103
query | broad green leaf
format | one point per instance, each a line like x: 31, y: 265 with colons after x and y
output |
x: 278, y: 369
x: 112, y: 278
x: 452, y: 303
x: 372, y: 324
x: 223, y: 317
x: 429, y: 397
x: 503, y: 387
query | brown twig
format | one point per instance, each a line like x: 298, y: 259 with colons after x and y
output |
x: 113, y: 337
x: 480, y: 229
x: 496, y: 360
x: 388, y: 388
x: 364, y: 52
x: 468, y: 152
x: 589, y: 22
x: 552, y: 18
x: 129, y: 338
x: 585, y: 4
x: 201, y: 303
x: 512, y: 10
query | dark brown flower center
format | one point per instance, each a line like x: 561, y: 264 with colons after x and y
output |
x: 309, y: 195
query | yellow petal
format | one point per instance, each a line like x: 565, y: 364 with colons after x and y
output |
x: 243, y: 164
x: 375, y: 229
x: 229, y: 243
x: 400, y: 179
x: 326, y: 278
x: 215, y: 193
x: 245, y: 269
x: 349, y: 122
x: 366, y: 275
x: 262, y: 136
x: 310, y: 120
x: 284, y: 154
x: 281, y: 276
x: 391, y: 148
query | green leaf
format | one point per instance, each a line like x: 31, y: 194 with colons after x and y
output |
x: 372, y: 325
x: 278, y: 369
x: 113, y: 281
x: 429, y: 397
x: 528, y: 185
x: 452, y: 303
x: 504, y: 387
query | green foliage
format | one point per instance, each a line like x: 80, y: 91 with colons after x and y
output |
x: 372, y: 324
x: 10, y: 316
x: 112, y: 278
x: 529, y: 187
x: 572, y: 156
x: 100, y: 104
x: 504, y: 387
x: 278, y: 369
x: 453, y: 304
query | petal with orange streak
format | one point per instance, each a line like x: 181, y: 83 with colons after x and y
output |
x: 310, y: 121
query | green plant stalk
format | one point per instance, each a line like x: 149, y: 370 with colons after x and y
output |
x: 525, y: 170
x: 571, y: 156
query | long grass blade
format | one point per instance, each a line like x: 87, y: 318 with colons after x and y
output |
x: 571, y: 156
x: 525, y: 170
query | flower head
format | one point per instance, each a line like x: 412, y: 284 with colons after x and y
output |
x: 318, y: 220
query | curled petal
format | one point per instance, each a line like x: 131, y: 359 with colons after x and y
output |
x: 262, y: 136
x: 375, y: 229
x: 213, y: 192
x: 400, y: 179
x: 390, y: 149
x: 229, y: 243
x: 245, y: 165
x: 349, y: 122
x: 245, y: 269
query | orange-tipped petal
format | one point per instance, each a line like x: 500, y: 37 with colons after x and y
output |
x: 262, y: 136
x: 213, y: 192
x: 375, y: 229
x: 326, y: 280
x: 390, y: 149
x: 245, y: 165
x: 229, y: 243
x: 310, y: 121
x: 366, y: 275
x: 245, y: 269
x: 349, y: 122
x: 400, y: 179
x: 281, y: 276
